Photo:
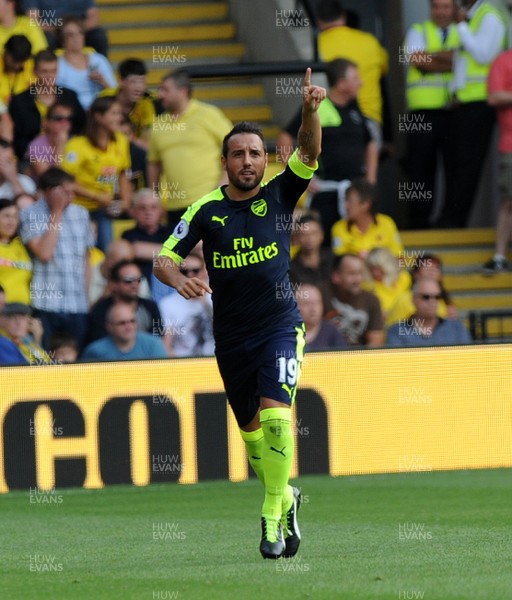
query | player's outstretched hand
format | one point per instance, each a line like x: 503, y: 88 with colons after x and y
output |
x: 313, y: 94
x: 192, y: 287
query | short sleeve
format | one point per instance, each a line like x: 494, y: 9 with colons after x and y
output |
x: 72, y: 157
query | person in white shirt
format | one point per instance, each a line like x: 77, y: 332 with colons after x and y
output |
x: 189, y: 323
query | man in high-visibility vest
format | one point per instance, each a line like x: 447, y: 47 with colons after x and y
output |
x: 428, y: 53
x: 348, y: 150
x: 482, y: 30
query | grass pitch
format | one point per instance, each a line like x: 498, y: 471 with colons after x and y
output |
x: 437, y: 536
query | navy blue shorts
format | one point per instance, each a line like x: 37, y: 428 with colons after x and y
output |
x: 267, y: 365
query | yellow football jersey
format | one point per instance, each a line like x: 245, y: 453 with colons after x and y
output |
x: 15, y: 83
x: 366, y: 51
x: 15, y: 271
x: 96, y: 169
x: 383, y: 233
x: 142, y: 114
x: 188, y: 148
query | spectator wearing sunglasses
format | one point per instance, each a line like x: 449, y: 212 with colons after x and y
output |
x: 124, y: 284
x: 189, y: 323
x: 425, y: 327
x: 47, y: 149
x: 124, y: 341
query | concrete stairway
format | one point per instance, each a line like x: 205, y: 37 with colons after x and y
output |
x: 463, y: 252
x: 168, y: 34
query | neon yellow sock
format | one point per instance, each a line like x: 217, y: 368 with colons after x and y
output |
x: 278, y: 448
x: 287, y: 498
x: 254, y: 447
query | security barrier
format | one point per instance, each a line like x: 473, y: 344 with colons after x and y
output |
x: 377, y: 411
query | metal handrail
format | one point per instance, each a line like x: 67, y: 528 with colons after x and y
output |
x: 478, y: 323
x: 253, y: 69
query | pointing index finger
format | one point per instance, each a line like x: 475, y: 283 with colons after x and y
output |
x: 307, y: 77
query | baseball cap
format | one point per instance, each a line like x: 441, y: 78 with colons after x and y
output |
x: 16, y: 308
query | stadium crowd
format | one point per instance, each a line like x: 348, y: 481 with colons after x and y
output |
x: 80, y: 149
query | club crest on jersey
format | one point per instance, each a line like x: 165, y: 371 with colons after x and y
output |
x: 259, y: 207
x: 181, y: 230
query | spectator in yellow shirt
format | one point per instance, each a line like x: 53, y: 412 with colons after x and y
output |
x: 189, y: 133
x: 389, y: 283
x: 135, y: 100
x: 337, y: 40
x: 14, y: 22
x: 364, y: 228
x: 16, y: 67
x: 99, y: 161
x: 15, y: 262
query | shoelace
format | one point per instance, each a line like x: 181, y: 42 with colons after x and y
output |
x: 271, y: 533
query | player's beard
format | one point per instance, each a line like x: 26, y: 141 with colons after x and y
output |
x: 244, y: 186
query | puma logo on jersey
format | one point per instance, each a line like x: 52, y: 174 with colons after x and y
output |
x: 279, y: 451
x: 220, y: 219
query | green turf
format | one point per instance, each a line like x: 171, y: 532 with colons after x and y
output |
x: 455, y: 527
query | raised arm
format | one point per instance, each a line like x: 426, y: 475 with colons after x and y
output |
x: 309, y: 137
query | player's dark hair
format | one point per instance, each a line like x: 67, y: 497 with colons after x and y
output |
x: 337, y: 69
x: 329, y: 10
x: 114, y: 271
x: 18, y: 47
x: 181, y: 79
x: 368, y: 192
x: 44, y: 56
x: 54, y: 177
x: 337, y: 261
x: 131, y: 66
x: 242, y: 127
x: 100, y: 106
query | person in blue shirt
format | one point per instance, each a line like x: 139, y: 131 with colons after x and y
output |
x: 10, y: 354
x: 424, y: 327
x: 124, y: 342
x: 257, y: 327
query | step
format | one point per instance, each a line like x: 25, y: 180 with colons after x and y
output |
x: 154, y: 76
x: 151, y: 54
x: 141, y: 35
x: 270, y: 132
x: 476, y: 281
x: 456, y: 257
x: 248, y: 113
x: 448, y: 237
x: 247, y: 91
x: 199, y: 11
x: 474, y: 301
